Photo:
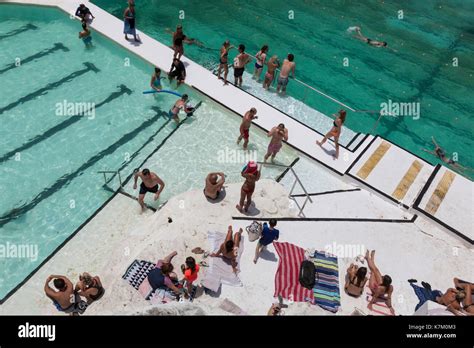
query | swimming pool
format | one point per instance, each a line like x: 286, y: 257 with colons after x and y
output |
x: 426, y: 38
x: 52, y: 149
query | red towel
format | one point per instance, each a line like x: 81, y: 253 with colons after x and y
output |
x: 287, y: 283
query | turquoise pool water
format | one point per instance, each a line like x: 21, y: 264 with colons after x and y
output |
x: 50, y: 156
x: 427, y: 39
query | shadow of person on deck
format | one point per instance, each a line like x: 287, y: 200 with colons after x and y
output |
x: 219, y: 199
x: 268, y: 255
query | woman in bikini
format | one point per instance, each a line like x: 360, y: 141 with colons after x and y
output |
x: 355, y: 280
x: 223, y: 64
x: 251, y: 173
x: 90, y: 287
x: 261, y: 57
x: 335, y: 131
x: 230, y: 248
x: 379, y: 285
x: 272, y: 65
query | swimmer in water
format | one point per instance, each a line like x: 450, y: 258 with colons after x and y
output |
x: 361, y: 37
x: 441, y: 154
x: 85, y: 35
x: 179, y: 105
x: 155, y: 82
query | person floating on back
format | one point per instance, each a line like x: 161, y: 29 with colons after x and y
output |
x: 269, y: 234
x: 150, y: 183
x: 335, y: 131
x: 245, y: 126
x: 239, y: 65
x: 84, y: 13
x: 214, y: 184
x: 251, y: 173
x: 287, y: 67
x: 278, y: 134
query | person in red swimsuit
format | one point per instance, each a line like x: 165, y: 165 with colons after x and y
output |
x: 245, y: 126
x: 251, y: 173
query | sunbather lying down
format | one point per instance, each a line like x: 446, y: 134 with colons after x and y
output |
x: 230, y: 248
x: 459, y: 301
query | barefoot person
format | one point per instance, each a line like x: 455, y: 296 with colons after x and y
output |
x: 214, y: 184
x: 287, y: 67
x: 129, y: 17
x: 178, y: 38
x: 239, y: 65
x: 361, y: 37
x: 89, y: 287
x: 150, y: 183
x: 85, y: 35
x: 155, y: 82
x: 269, y: 234
x: 251, y: 173
x: 230, y: 248
x: 379, y: 285
x: 261, y: 57
x: 180, y: 104
x: 162, y: 276
x: 355, y: 280
x: 65, y: 299
x: 441, y: 154
x: 223, y: 60
x: 177, y: 71
x: 190, y: 271
x: 245, y: 126
x: 278, y: 134
x: 335, y: 131
x: 272, y: 65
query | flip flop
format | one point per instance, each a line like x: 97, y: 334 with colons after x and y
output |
x: 206, y: 254
x: 197, y: 250
x: 204, y: 263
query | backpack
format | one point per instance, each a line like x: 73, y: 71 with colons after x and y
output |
x: 254, y: 231
x: 307, y: 274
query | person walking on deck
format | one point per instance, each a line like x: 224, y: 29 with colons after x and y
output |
x: 150, y: 183
x: 129, y: 18
x: 335, y: 131
x: 269, y: 235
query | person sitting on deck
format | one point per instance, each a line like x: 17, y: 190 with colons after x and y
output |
x: 90, y: 287
x: 355, y: 280
x: 65, y: 299
x: 163, y: 276
x: 214, y: 184
x: 379, y: 285
x: 230, y: 248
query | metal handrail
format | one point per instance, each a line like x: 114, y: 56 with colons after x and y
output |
x: 111, y: 172
x: 297, y: 180
x: 316, y: 90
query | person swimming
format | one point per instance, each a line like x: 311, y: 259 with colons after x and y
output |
x: 155, y: 82
x: 441, y: 154
x: 365, y: 39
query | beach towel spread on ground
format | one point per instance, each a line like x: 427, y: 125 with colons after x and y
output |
x: 326, y: 288
x: 380, y: 306
x: 136, y: 275
x: 220, y: 270
x: 287, y: 283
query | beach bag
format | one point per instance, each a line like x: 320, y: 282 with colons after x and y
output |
x: 254, y: 231
x: 307, y: 274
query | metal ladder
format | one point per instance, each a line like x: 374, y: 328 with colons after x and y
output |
x: 297, y: 180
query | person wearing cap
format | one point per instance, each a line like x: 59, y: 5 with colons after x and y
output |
x: 177, y: 71
x: 245, y: 126
x: 278, y: 134
x: 83, y: 12
x: 251, y: 173
x: 335, y: 131
x: 150, y: 183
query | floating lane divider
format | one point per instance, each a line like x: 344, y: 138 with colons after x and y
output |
x: 162, y: 91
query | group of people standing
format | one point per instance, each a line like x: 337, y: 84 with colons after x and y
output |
x: 287, y: 68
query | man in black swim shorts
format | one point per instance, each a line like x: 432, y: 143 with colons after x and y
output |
x: 239, y: 65
x: 150, y: 183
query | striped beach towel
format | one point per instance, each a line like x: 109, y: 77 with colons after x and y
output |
x: 287, y: 283
x: 326, y: 288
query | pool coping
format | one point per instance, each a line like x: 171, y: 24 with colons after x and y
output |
x: 355, y: 154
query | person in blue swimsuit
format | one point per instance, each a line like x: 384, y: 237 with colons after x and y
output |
x: 155, y: 82
x: 85, y: 35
